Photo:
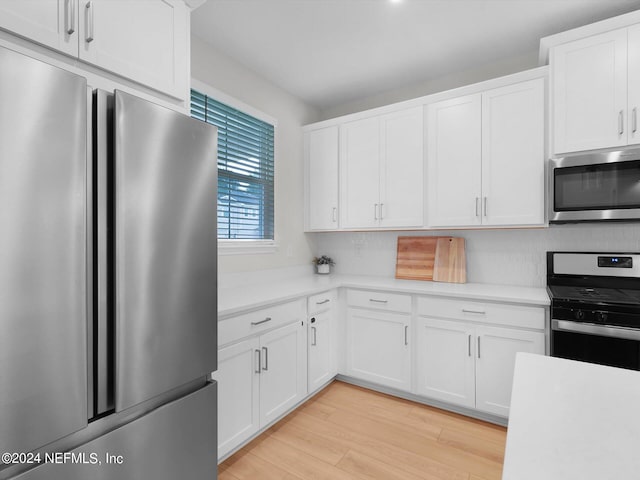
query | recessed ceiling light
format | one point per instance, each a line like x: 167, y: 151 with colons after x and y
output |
x: 395, y: 1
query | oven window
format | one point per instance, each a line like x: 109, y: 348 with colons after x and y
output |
x: 615, y: 352
x: 603, y: 186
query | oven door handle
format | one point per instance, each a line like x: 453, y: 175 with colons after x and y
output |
x: 593, y: 329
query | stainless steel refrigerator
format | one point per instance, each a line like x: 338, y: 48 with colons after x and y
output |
x: 108, y: 307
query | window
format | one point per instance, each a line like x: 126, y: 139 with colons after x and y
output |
x: 245, y: 169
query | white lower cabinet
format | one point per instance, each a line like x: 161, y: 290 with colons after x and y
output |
x: 259, y: 379
x: 321, y: 355
x: 273, y: 358
x: 238, y: 394
x: 445, y: 366
x: 378, y: 341
x: 283, y: 376
x: 471, y: 364
x: 495, y: 360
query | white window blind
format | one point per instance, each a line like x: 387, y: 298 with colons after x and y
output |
x: 245, y: 169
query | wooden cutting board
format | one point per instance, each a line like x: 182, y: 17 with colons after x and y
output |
x: 450, y: 262
x: 415, y: 258
x: 431, y: 258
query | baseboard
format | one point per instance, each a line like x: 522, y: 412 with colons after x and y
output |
x: 467, y: 412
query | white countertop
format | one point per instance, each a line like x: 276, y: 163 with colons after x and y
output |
x: 572, y: 421
x: 255, y: 295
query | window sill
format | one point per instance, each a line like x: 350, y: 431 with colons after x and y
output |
x: 246, y: 247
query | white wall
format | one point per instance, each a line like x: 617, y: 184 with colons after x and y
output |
x: 505, y: 257
x: 437, y: 84
x: 212, y: 67
x: 515, y: 257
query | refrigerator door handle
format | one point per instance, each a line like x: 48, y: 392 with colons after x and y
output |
x: 102, y: 275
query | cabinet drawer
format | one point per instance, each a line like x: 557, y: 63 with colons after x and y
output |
x: 379, y: 300
x: 494, y: 313
x: 246, y: 324
x: 321, y: 302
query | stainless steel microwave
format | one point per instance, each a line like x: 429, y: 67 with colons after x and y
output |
x: 595, y: 187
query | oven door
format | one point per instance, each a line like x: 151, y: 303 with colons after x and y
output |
x: 603, y: 186
x: 602, y: 344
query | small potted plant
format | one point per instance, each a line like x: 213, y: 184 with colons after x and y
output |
x: 323, y: 264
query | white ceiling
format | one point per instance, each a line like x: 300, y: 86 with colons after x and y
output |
x: 329, y: 52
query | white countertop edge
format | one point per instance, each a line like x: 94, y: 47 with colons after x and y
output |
x: 254, y: 296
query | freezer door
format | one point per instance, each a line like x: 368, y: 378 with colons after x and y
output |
x: 176, y: 441
x: 165, y: 249
x: 43, y: 306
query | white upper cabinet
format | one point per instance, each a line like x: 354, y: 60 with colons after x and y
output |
x: 141, y: 40
x: 454, y: 140
x: 402, y: 169
x: 51, y: 23
x: 633, y: 82
x: 144, y: 41
x: 513, y: 153
x: 359, y: 173
x: 589, y: 85
x: 485, y: 155
x: 321, y: 148
x: 381, y: 171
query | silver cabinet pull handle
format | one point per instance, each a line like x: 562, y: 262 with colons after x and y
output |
x: 268, y: 319
x: 477, y: 201
x: 326, y: 300
x: 378, y: 301
x: 634, y: 120
x: 485, y: 206
x: 478, y: 347
x: 333, y: 214
x: 70, y: 18
x: 479, y: 312
x: 89, y: 23
x: 406, y: 334
x: 259, y: 368
x: 375, y: 211
x: 266, y: 359
x: 621, y: 122
x: 469, y: 346
x: 314, y: 342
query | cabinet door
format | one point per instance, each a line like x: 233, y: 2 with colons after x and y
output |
x: 378, y: 347
x: 144, y: 41
x: 453, y: 159
x: 359, y: 173
x: 322, y: 181
x: 238, y: 379
x: 51, y: 23
x: 320, y: 350
x: 513, y: 154
x: 633, y: 84
x: 589, y: 88
x: 283, y: 380
x: 402, y: 171
x: 496, y: 352
x: 445, y: 363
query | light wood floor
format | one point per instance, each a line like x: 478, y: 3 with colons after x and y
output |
x: 349, y: 433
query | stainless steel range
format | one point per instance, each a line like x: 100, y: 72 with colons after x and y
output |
x: 595, y: 307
